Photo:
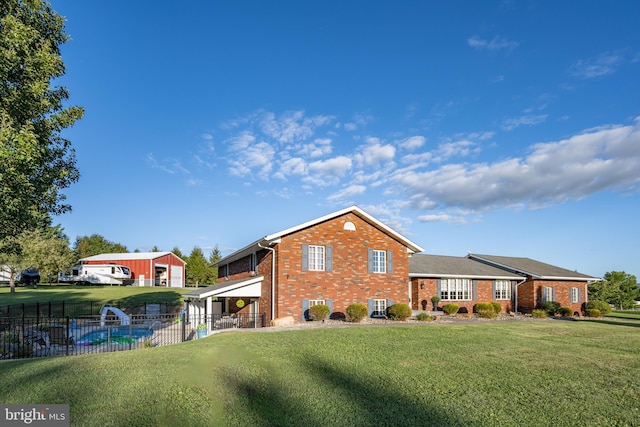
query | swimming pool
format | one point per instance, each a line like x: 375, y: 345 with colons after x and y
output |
x: 114, y: 336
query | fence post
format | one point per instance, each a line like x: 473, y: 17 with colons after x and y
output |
x: 37, y: 312
x: 49, y: 309
x: 66, y: 338
x: 130, y: 330
x: 63, y: 312
x: 182, y: 322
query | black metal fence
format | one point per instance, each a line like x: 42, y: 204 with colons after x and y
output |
x: 51, y: 309
x: 26, y: 337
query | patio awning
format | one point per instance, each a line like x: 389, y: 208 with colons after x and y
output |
x: 249, y: 287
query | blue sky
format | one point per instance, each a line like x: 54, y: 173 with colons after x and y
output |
x: 493, y: 127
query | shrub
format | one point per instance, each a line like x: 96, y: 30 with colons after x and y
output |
x: 566, y: 311
x: 319, y: 312
x: 551, y: 307
x: 424, y: 317
x: 399, y: 311
x: 497, y: 307
x: 356, y: 312
x: 486, y: 310
x: 540, y: 314
x: 451, y: 308
x: 593, y: 312
x: 603, y: 306
x: 482, y: 306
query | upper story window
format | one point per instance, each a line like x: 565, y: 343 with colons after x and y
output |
x: 380, y: 261
x: 502, y: 290
x: 317, y: 258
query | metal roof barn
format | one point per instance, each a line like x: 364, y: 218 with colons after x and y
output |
x: 147, y: 268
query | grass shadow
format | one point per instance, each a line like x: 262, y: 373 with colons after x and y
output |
x: 625, y: 322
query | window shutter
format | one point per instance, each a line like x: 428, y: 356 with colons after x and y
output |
x: 389, y: 261
x: 329, y: 303
x: 370, y: 307
x: 493, y: 289
x: 329, y: 258
x: 389, y: 304
x: 439, y: 288
x: 305, y: 257
x: 579, y: 294
x: 370, y: 261
x: 305, y: 309
x: 554, y: 294
x: 475, y: 290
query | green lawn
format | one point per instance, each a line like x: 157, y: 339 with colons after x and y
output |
x: 490, y: 373
x: 123, y: 296
x: 625, y: 314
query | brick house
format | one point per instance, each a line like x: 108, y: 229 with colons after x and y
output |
x: 518, y: 284
x: 341, y: 258
x: 460, y: 280
x: 350, y: 257
x: 542, y: 282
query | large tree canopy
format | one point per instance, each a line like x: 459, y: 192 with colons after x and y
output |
x: 617, y: 288
x: 36, y: 161
x: 86, y: 246
x: 48, y: 251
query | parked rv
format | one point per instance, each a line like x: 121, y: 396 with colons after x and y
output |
x: 30, y: 276
x: 98, y: 274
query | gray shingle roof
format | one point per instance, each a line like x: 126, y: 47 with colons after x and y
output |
x: 423, y: 265
x: 530, y: 267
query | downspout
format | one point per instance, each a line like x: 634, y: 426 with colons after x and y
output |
x: 516, y: 301
x: 273, y: 277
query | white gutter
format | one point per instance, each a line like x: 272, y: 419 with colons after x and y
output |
x: 273, y: 276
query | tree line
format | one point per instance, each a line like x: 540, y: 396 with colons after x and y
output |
x: 50, y: 252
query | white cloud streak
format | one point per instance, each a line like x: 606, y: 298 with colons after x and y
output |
x: 552, y: 173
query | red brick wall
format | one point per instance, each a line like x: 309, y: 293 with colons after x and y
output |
x: 349, y: 282
x: 530, y: 294
x: 484, y: 293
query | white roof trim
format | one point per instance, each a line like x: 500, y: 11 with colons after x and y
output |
x: 129, y: 256
x: 274, y: 238
x: 465, y: 276
x: 411, y: 245
x: 228, y: 291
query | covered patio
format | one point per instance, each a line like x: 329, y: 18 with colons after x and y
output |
x: 229, y: 304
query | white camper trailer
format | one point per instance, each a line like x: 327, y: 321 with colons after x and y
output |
x: 99, y: 274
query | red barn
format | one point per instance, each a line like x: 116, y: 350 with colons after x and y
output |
x: 147, y: 268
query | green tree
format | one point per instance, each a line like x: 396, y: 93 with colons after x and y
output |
x: 177, y: 252
x: 37, y: 163
x: 48, y: 251
x: 95, y: 244
x: 617, y: 288
x: 197, y: 270
x: 214, y: 257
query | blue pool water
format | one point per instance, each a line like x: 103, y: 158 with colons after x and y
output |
x: 116, y: 336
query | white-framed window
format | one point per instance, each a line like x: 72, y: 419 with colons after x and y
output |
x: 379, y: 262
x: 316, y: 258
x: 547, y: 294
x: 575, y: 295
x: 379, y: 307
x: 502, y: 290
x: 313, y: 302
x: 456, y: 289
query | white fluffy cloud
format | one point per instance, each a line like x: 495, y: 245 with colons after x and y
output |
x: 553, y: 172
